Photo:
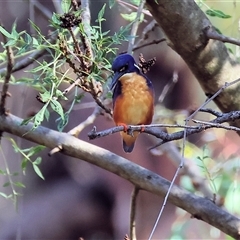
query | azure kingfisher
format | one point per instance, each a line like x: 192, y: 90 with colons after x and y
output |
x: 133, y: 97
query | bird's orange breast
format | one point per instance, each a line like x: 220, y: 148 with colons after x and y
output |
x: 134, y: 106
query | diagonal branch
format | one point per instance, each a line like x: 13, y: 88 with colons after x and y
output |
x: 215, y: 35
x: 200, y: 208
x: 209, y: 60
x: 4, y: 92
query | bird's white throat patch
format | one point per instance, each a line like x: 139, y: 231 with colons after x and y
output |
x: 128, y: 77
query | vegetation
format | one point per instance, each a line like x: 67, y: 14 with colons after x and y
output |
x: 73, y: 62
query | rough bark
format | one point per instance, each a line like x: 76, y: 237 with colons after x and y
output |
x: 213, y: 65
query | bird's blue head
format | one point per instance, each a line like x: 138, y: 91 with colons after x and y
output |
x: 123, y: 64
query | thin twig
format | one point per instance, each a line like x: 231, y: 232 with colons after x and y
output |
x: 135, y: 26
x: 149, y: 43
x: 123, y: 3
x: 211, y: 111
x: 133, y: 213
x: 149, y: 129
x: 76, y: 130
x: 213, y: 34
x: 149, y: 28
x: 216, y: 125
x: 169, y: 86
x: 86, y: 19
x: 43, y: 10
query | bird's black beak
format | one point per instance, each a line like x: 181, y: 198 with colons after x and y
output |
x: 115, y: 78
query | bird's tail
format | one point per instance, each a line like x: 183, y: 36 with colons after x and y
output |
x: 129, y: 141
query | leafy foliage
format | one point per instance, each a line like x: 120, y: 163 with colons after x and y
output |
x: 217, y: 13
x: 51, y: 72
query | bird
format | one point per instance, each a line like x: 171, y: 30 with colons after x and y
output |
x: 133, y: 98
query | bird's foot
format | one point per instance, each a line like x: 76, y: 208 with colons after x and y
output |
x: 125, y: 127
x: 142, y: 128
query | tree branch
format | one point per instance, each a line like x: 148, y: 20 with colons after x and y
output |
x: 201, y: 208
x: 154, y: 129
x: 208, y: 59
x: 4, y: 92
x: 215, y: 35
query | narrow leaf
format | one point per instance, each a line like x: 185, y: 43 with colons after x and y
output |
x: 39, y: 117
x: 19, y: 184
x: 57, y: 107
x: 5, y: 33
x: 111, y: 3
x: 37, y: 171
x: 4, y: 195
x: 217, y: 13
x: 38, y: 160
x: 6, y: 184
x: 101, y: 13
x: 66, y: 5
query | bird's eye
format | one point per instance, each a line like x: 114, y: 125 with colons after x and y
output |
x: 123, y: 68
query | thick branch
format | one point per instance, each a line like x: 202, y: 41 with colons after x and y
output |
x: 4, y: 92
x: 199, y: 207
x: 208, y: 59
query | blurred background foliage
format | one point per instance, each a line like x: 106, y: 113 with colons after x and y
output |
x: 77, y: 199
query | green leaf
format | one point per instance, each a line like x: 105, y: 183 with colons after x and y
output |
x: 66, y: 5
x: 19, y: 184
x: 101, y: 13
x: 23, y: 49
x: 4, y: 195
x: 132, y: 16
x: 5, y: 32
x: 11, y: 42
x: 111, y: 3
x: 36, y: 28
x: 45, y: 96
x: 230, y: 50
x: 63, y: 122
x: 47, y: 114
x: 24, y: 165
x: 35, y: 42
x: 6, y: 184
x: 38, y: 160
x: 15, y: 35
x: 3, y: 172
x: 57, y: 107
x: 136, y: 2
x: 35, y: 150
x: 59, y: 94
x: 55, y: 19
x: 218, y: 30
x: 217, y: 13
x: 15, y: 146
x: 27, y: 39
x: 39, y: 117
x: 232, y: 198
x: 26, y: 121
x: 38, y: 171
